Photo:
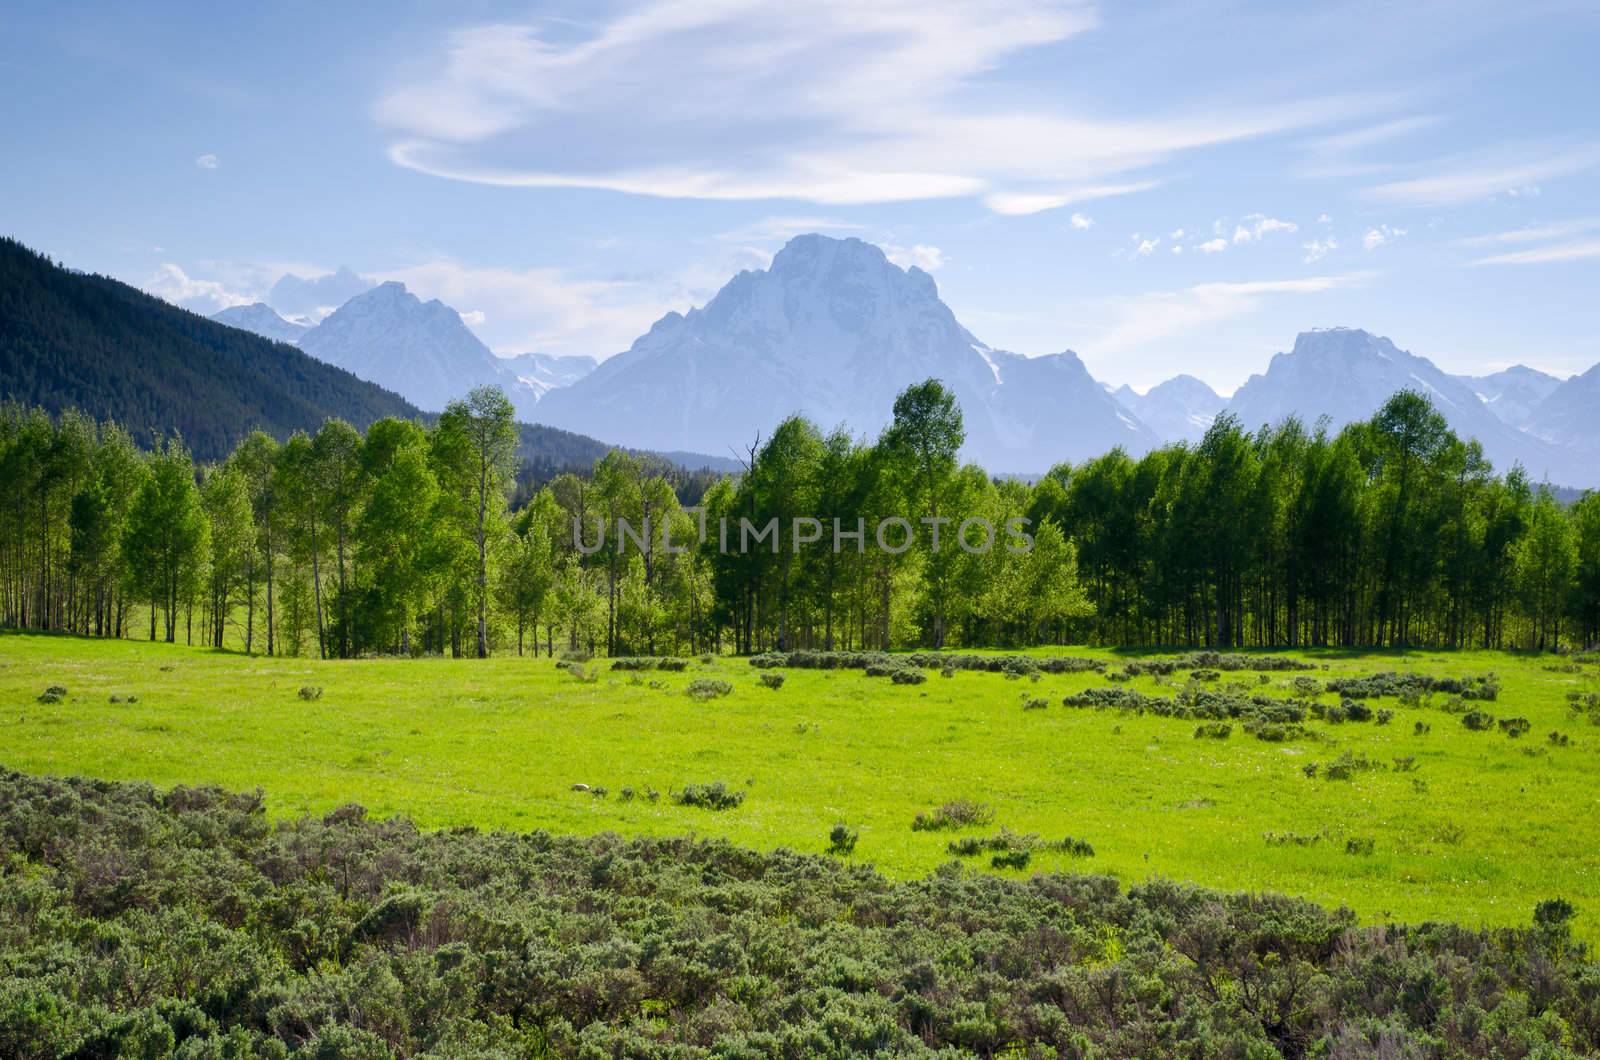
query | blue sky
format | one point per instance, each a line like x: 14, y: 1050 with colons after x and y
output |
x: 1162, y: 187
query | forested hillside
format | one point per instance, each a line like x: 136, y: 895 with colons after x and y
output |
x: 414, y: 537
x: 74, y: 341
x: 69, y: 340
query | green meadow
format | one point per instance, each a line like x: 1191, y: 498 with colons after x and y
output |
x: 1476, y: 828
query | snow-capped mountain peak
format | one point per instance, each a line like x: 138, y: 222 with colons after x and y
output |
x: 263, y: 320
x: 835, y: 330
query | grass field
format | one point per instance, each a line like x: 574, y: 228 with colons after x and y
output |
x: 1481, y: 829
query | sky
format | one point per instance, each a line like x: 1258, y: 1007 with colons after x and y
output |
x: 1161, y: 187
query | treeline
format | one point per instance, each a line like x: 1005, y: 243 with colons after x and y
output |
x: 420, y: 538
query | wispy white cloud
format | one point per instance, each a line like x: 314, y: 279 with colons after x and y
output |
x: 1535, y: 233
x: 1578, y: 251
x: 1022, y: 203
x: 1213, y: 246
x: 1454, y: 182
x: 1080, y: 221
x: 1147, y: 318
x: 927, y: 258
x: 175, y: 285
x: 1345, y: 153
x: 828, y: 102
x: 208, y: 162
x: 544, y: 310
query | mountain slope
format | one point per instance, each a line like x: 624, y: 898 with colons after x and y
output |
x: 420, y: 350
x: 261, y: 319
x: 834, y: 330
x: 72, y: 340
x: 1178, y: 410
x: 1346, y: 374
x: 1568, y: 417
x: 1514, y: 393
x: 425, y: 352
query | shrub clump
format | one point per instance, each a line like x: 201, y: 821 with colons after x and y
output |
x: 961, y: 813
x: 772, y: 680
x: 1213, y: 730
x: 1477, y: 720
x: 310, y: 692
x: 1007, y: 841
x: 704, y: 688
x: 460, y: 941
x: 713, y: 796
x: 650, y: 662
x: 1515, y: 727
x: 1211, y: 660
x: 908, y: 677
x: 1410, y: 687
x: 842, y: 840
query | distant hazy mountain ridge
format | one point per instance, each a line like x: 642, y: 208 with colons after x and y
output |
x: 1178, y: 410
x: 1346, y: 374
x: 421, y: 350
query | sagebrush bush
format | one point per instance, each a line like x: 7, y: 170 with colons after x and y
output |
x: 960, y: 813
x: 1213, y: 730
x: 713, y: 796
x: 310, y: 692
x: 1515, y: 727
x: 192, y: 923
x: 704, y: 688
x: 1011, y: 859
x: 772, y: 680
x: 908, y: 677
x: 842, y: 839
x: 1477, y: 720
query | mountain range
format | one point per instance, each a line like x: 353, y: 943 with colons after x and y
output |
x: 422, y: 351
x: 834, y: 330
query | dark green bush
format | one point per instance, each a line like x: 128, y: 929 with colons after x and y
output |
x: 908, y: 677
x: 1213, y: 730
x: 1515, y: 727
x: 310, y: 692
x: 772, y: 680
x: 704, y: 688
x: 1011, y: 859
x: 713, y: 796
x: 842, y: 840
x: 1477, y: 720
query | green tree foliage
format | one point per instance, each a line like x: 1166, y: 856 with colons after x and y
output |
x: 167, y: 539
x: 412, y: 539
x: 476, y: 442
